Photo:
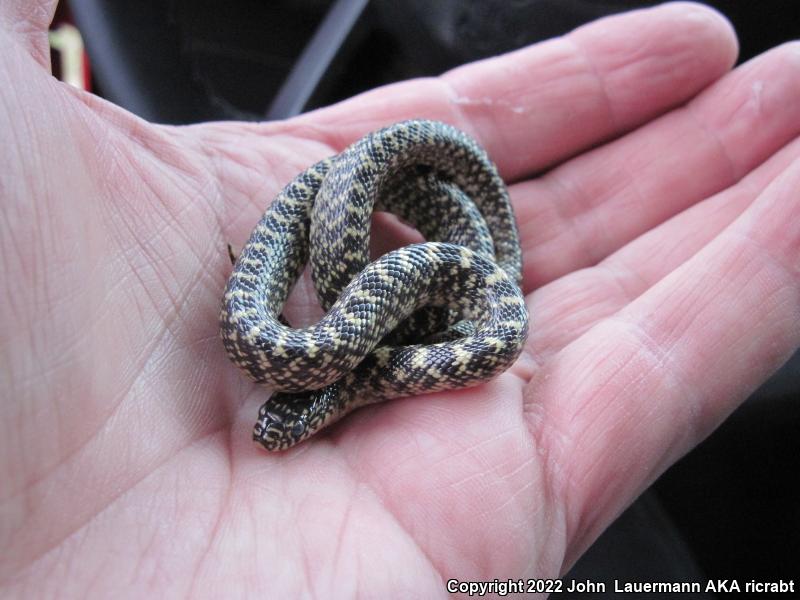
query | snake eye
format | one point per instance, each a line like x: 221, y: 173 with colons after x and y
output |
x: 298, y: 429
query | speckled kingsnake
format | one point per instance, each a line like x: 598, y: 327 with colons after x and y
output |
x: 369, y: 346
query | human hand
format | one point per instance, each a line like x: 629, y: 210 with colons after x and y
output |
x: 660, y: 268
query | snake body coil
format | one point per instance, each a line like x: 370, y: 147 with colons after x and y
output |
x: 376, y: 341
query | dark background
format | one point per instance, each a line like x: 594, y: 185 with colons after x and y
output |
x: 184, y: 61
x: 730, y: 508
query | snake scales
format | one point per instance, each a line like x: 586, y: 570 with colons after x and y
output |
x: 439, y: 315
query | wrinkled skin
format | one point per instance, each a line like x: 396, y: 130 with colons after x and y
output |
x: 661, y: 273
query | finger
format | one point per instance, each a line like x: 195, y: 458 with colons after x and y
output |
x: 638, y: 390
x: 534, y: 107
x: 567, y: 308
x: 27, y: 21
x: 587, y: 208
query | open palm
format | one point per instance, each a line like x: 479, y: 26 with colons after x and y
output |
x: 661, y: 273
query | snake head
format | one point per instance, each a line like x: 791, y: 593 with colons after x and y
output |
x: 282, y: 422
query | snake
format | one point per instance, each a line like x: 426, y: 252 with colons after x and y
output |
x: 442, y: 314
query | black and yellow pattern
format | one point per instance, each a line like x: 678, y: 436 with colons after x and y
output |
x: 371, y: 344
